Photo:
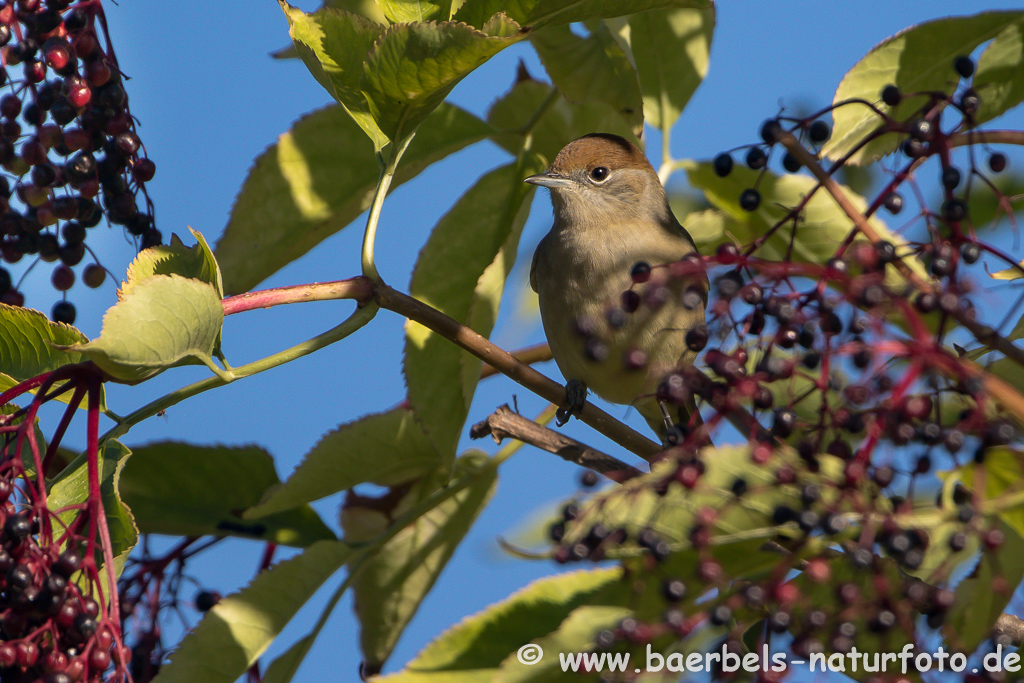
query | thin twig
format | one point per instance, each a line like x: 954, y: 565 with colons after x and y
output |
x: 504, y: 423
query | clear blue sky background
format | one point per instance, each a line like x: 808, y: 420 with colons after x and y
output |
x: 210, y: 99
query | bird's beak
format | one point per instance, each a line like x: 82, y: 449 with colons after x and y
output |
x: 549, y: 179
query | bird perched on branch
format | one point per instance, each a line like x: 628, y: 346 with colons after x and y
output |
x: 612, y: 223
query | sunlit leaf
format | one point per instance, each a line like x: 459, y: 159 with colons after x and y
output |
x: 166, y: 320
x: 196, y: 262
x: 315, y: 180
x: 591, y: 69
x: 999, y: 76
x: 240, y: 627
x: 391, y: 585
x: 475, y: 648
x: 385, y: 449
x: 670, y: 48
x: 917, y: 60
x: 539, y: 13
x: 448, y: 276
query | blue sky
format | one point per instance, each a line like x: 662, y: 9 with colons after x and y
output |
x: 209, y: 99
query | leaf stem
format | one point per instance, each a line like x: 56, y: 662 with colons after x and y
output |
x: 360, y: 317
x: 387, y: 174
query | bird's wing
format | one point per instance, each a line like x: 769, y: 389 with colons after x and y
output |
x: 533, y: 265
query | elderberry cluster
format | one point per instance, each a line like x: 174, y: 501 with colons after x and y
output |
x: 842, y: 379
x: 68, y: 147
x: 52, y: 631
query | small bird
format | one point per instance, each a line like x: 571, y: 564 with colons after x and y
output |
x: 611, y: 213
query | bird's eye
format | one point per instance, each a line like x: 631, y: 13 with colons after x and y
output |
x: 599, y: 174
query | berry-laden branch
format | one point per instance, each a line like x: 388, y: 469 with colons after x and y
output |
x: 1005, y: 394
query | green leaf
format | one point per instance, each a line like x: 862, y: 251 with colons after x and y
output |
x: 241, y: 626
x: 917, y: 60
x: 390, y: 79
x: 71, y: 488
x: 561, y: 123
x: 334, y: 44
x: 181, y: 489
x: 315, y: 180
x: 392, y: 583
x: 30, y: 346
x: 999, y: 76
x: 591, y: 69
x: 983, y: 596
x: 282, y: 669
x: 413, y: 67
x: 539, y: 13
x: 670, y: 49
x: 165, y: 321
x: 197, y: 263
x: 823, y: 225
x: 385, y: 449
x: 416, y: 10
x: 481, y: 229
x: 364, y: 8
x: 575, y: 634
x: 475, y: 648
x: 1002, y: 474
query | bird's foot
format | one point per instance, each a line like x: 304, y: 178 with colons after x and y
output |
x: 575, y: 399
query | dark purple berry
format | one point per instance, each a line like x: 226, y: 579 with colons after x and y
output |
x: 750, y: 199
x: 722, y: 165
x: 820, y: 131
x: 997, y: 162
x: 63, y: 312
x: 964, y: 66
x: 891, y: 95
x: 756, y: 158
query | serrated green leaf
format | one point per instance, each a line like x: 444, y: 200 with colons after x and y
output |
x: 364, y: 8
x: 983, y: 596
x: 413, y: 67
x: 241, y: 626
x: 561, y: 123
x: 315, y: 180
x: 539, y: 13
x: 483, y: 227
x: 182, y: 489
x: 197, y: 263
x: 917, y: 60
x: 390, y: 79
x: 166, y: 320
x: 282, y: 669
x: 29, y: 344
x: 473, y: 649
x: 333, y: 44
x: 999, y: 76
x: 591, y: 69
x: 385, y: 449
x: 671, y: 49
x: 416, y: 10
x: 823, y: 225
x: 393, y: 582
x: 575, y: 634
x: 71, y: 488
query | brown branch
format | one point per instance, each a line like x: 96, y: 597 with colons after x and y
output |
x: 1005, y: 394
x: 359, y: 288
x: 1010, y: 626
x: 504, y: 423
x: 987, y: 137
x: 508, y: 365
x: 538, y: 353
